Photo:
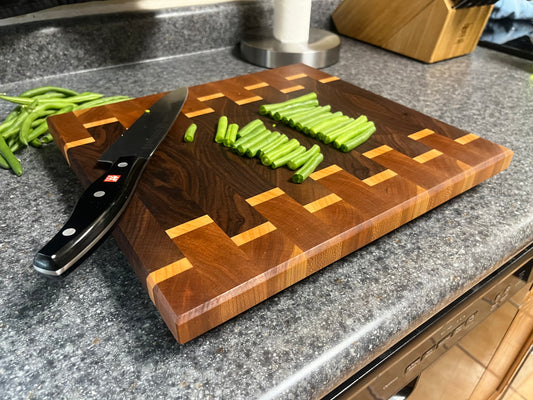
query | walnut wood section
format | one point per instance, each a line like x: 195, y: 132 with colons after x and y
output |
x: 427, y: 30
x: 211, y: 234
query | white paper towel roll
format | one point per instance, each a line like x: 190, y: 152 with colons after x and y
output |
x: 292, y: 20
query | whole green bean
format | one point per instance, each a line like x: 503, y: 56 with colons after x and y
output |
x: 36, y: 143
x: 14, y: 129
x: 3, y: 163
x: 47, y: 138
x: 8, y: 155
x: 308, y: 168
x: 36, y: 132
x: 17, y: 100
x: 80, y: 98
x: 101, y: 102
x: 46, y: 89
x: 39, y: 111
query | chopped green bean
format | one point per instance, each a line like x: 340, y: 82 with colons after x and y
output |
x: 329, y: 135
x: 243, y: 148
x: 240, y: 144
x: 255, y: 148
x: 267, y: 158
x: 348, y: 135
x: 231, y: 135
x: 276, y: 143
x: 297, y: 162
x: 325, y: 123
x: 282, y: 160
x: 189, y: 133
x: 358, y: 140
x: 267, y: 108
x: 222, y: 128
x: 249, y: 127
x: 308, y: 168
x: 280, y: 112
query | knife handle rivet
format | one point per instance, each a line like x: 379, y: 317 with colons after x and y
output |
x: 122, y: 164
x: 99, y: 193
x: 69, y: 232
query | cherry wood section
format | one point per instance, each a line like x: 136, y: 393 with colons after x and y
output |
x: 211, y: 234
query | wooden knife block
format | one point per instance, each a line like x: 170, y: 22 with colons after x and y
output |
x: 426, y: 30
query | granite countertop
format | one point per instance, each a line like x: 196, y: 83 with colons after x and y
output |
x: 98, y: 335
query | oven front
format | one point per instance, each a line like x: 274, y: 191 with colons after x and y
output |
x: 397, y: 373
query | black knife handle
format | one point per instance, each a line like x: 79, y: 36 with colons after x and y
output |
x: 97, y: 210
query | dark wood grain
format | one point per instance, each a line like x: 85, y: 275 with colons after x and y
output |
x: 210, y: 233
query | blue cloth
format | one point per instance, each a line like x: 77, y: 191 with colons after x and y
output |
x: 513, y: 9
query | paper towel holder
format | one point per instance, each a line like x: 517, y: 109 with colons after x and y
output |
x: 291, y: 40
x: 261, y: 48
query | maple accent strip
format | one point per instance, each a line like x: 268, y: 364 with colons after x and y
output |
x: 256, y: 86
x: 297, y: 76
x: 106, y: 121
x: 380, y: 177
x: 211, y: 96
x: 427, y: 156
x: 467, y: 138
x: 189, y: 226
x: 248, y: 100
x: 377, y: 151
x: 325, y: 172
x: 421, y: 134
x: 329, y: 79
x: 199, y: 112
x: 254, y: 233
x: 265, y: 196
x: 292, y: 89
x: 323, y: 202
x: 168, y: 271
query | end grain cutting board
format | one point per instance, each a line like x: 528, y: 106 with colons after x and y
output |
x: 211, y: 234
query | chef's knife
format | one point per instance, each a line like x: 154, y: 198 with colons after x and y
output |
x: 105, y: 199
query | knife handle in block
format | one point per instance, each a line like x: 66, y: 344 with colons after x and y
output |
x: 97, y: 210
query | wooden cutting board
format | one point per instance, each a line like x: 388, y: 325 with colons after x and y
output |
x: 211, y: 234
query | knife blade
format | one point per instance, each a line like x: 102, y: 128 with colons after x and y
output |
x: 104, y: 201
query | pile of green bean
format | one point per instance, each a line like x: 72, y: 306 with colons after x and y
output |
x: 272, y: 148
x: 305, y: 114
x: 26, y: 123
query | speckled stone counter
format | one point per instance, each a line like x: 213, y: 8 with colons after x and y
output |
x: 97, y: 335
